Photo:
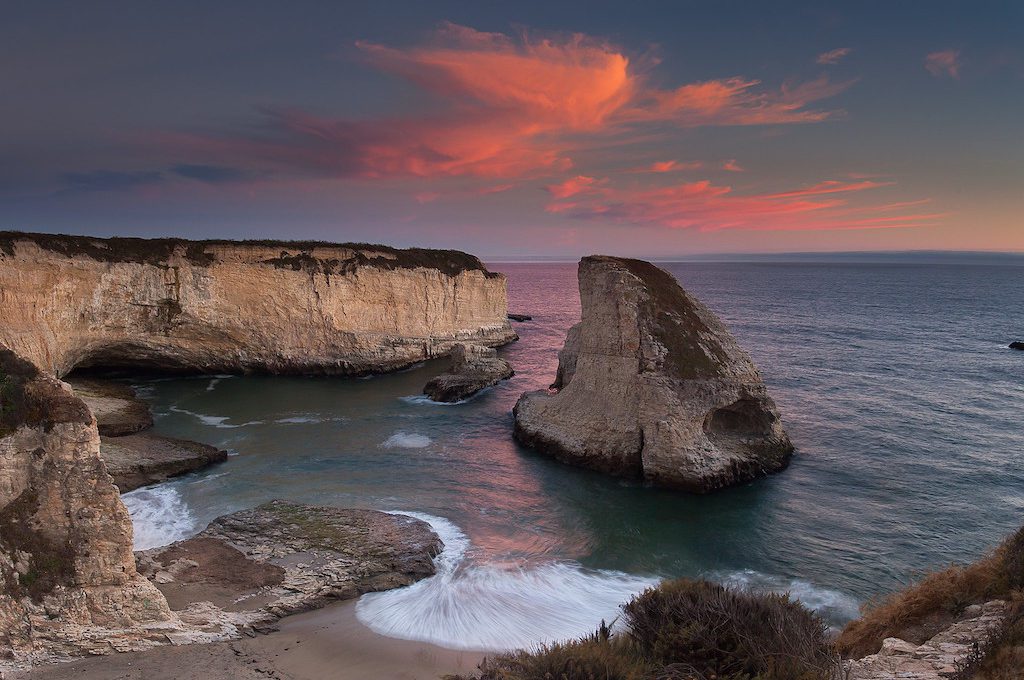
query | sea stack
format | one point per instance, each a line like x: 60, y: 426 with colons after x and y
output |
x: 652, y: 385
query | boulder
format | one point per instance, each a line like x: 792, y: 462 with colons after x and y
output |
x: 652, y: 385
x: 1017, y: 345
x: 473, y: 368
x: 520, y: 317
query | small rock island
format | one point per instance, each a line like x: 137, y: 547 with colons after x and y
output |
x: 473, y: 368
x: 652, y: 385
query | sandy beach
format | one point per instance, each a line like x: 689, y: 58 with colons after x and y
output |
x: 327, y: 643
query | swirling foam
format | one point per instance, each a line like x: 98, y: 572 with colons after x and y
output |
x: 159, y: 516
x: 213, y: 421
x: 491, y: 608
x: 406, y: 440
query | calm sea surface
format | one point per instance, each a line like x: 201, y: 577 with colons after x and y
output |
x: 894, y: 382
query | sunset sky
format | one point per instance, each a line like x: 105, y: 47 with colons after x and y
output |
x: 520, y: 128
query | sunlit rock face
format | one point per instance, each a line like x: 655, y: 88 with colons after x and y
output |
x: 222, y: 306
x: 66, y: 562
x: 652, y: 385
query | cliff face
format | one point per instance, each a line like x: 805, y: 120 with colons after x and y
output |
x: 654, y: 386
x: 66, y: 557
x: 220, y: 306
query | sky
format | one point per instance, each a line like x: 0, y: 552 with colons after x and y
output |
x: 648, y: 129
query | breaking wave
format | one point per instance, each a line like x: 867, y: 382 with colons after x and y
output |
x: 835, y: 607
x: 405, y: 440
x: 214, y: 421
x: 490, y: 607
x: 159, y: 516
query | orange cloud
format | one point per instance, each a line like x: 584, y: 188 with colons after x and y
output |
x: 704, y: 206
x: 508, y: 107
x: 943, y: 63
x: 574, y: 185
x: 669, y: 166
x: 834, y: 56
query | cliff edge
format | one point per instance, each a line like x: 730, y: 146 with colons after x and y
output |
x: 653, y: 385
x: 239, y: 306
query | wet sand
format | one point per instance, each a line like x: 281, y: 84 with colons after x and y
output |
x: 329, y: 643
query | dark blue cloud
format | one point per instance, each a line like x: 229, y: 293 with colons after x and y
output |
x: 109, y: 180
x: 213, y: 174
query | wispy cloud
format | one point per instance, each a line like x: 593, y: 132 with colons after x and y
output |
x: 704, y: 206
x: 109, y: 180
x: 508, y: 107
x: 659, y: 167
x: 945, y: 63
x: 733, y: 166
x: 834, y: 56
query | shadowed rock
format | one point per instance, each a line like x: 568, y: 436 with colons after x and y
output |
x: 145, y: 458
x: 1017, y: 345
x: 473, y: 368
x: 652, y: 385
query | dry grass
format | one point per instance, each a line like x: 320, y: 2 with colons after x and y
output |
x: 917, y: 613
x: 686, y: 630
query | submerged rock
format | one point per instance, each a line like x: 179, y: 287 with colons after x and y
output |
x: 520, y: 317
x: 145, y: 458
x: 1017, y: 345
x: 283, y: 558
x: 473, y: 368
x: 652, y: 385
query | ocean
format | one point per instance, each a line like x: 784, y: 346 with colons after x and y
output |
x: 893, y: 379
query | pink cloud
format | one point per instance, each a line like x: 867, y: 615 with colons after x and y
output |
x: 573, y: 186
x: 659, y: 167
x: 704, y: 206
x: 508, y: 107
x: 834, y: 56
x: 943, y: 63
x: 732, y: 166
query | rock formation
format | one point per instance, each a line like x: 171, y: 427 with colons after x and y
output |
x: 66, y: 562
x: 133, y: 456
x: 938, y: 658
x: 1017, y: 345
x: 68, y: 580
x: 473, y: 368
x: 283, y: 558
x: 652, y: 385
x: 222, y: 306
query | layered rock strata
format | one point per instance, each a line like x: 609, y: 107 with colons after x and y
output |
x: 472, y: 369
x: 652, y: 385
x: 222, y: 306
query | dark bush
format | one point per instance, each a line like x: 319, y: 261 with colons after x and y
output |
x: 686, y: 630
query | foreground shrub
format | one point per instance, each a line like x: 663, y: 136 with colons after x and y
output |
x: 1003, y: 659
x: 921, y: 611
x: 686, y: 630
x: 712, y: 631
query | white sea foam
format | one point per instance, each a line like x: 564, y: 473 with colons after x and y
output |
x: 424, y: 400
x: 488, y: 607
x: 214, y: 421
x: 406, y: 440
x: 215, y: 380
x: 832, y: 605
x: 303, y: 420
x: 159, y: 516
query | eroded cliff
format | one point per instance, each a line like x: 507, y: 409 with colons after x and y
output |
x: 223, y: 306
x: 653, y: 385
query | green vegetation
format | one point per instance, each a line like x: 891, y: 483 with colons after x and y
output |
x: 683, y: 630
x: 921, y: 611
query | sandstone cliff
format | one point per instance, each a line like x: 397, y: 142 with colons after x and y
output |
x: 66, y: 561
x: 654, y: 386
x: 222, y: 306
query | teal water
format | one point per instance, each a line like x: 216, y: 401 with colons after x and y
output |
x: 894, y: 382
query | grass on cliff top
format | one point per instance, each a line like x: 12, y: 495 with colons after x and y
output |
x: 919, y: 612
x: 682, y: 630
